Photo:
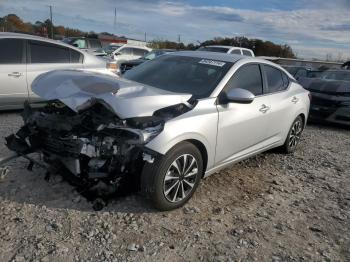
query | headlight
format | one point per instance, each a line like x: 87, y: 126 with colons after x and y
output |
x: 149, y: 133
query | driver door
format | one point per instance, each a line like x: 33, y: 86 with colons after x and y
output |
x: 242, y: 128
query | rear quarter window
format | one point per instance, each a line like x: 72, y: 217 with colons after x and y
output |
x: 76, y: 57
x: 276, y: 80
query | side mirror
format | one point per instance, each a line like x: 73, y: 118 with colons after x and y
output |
x: 117, y: 53
x: 237, y: 95
x: 76, y: 45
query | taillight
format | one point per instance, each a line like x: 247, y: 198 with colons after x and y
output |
x: 112, y: 66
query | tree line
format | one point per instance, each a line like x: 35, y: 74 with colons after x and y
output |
x: 260, y: 47
x: 13, y: 23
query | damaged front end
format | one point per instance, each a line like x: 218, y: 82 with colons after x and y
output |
x: 94, y: 128
x: 93, y: 145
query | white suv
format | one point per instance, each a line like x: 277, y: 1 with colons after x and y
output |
x: 228, y: 49
x: 24, y: 57
x: 129, y: 52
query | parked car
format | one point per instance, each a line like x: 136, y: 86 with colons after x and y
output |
x: 87, y: 44
x: 127, y: 65
x: 346, y: 65
x: 297, y: 71
x: 227, y: 49
x: 24, y: 57
x: 330, y: 97
x: 168, y: 124
x: 129, y: 52
x: 106, y: 50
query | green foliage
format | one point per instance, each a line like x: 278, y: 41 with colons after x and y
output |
x: 165, y: 44
x: 12, y: 23
x: 260, y: 47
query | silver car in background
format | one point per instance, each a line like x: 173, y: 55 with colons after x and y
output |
x: 169, y: 123
x: 24, y: 57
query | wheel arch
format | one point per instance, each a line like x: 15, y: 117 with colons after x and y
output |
x: 303, y: 117
x: 202, y: 149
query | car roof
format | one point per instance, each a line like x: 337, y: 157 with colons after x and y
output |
x: 135, y: 46
x: 296, y: 66
x: 165, y: 50
x: 228, y: 47
x: 218, y: 46
x: 337, y: 70
x: 225, y: 57
x: 210, y: 55
x: 34, y: 37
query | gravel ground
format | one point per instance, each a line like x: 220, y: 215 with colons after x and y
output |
x: 272, y: 207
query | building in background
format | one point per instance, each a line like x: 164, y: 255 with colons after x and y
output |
x: 109, y: 39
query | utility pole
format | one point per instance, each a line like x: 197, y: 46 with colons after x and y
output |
x: 179, y: 39
x: 115, y: 21
x: 145, y: 37
x: 51, y: 21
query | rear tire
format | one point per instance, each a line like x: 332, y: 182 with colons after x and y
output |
x: 172, y: 179
x: 293, y: 136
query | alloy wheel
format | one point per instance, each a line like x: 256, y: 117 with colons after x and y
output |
x: 180, y: 178
x: 295, y: 133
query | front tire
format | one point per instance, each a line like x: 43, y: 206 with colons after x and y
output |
x: 293, y: 136
x: 172, y: 179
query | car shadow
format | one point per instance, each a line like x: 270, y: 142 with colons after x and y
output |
x: 33, y: 187
x: 328, y: 126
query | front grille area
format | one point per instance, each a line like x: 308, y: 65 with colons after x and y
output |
x: 324, y: 102
x: 343, y: 118
x: 71, y: 147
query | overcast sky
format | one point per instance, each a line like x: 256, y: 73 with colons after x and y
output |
x: 313, y: 28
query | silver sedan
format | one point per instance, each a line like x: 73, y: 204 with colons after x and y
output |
x: 24, y: 57
x: 169, y: 123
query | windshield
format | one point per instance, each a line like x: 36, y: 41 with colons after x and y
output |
x: 336, y: 75
x: 214, y: 49
x: 181, y: 74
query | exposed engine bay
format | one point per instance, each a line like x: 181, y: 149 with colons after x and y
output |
x: 93, y: 146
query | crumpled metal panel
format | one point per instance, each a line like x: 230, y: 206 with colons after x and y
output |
x: 80, y: 89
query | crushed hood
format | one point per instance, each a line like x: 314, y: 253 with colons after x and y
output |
x: 80, y: 89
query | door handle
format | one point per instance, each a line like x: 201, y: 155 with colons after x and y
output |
x: 15, y: 74
x: 264, y: 108
x: 295, y: 100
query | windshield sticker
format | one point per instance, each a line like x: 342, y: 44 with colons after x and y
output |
x: 212, y: 62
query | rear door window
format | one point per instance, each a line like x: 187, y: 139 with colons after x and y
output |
x: 246, y: 53
x: 42, y: 52
x: 236, y: 52
x: 275, y: 80
x: 11, y: 51
x: 126, y: 51
x: 139, y: 52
